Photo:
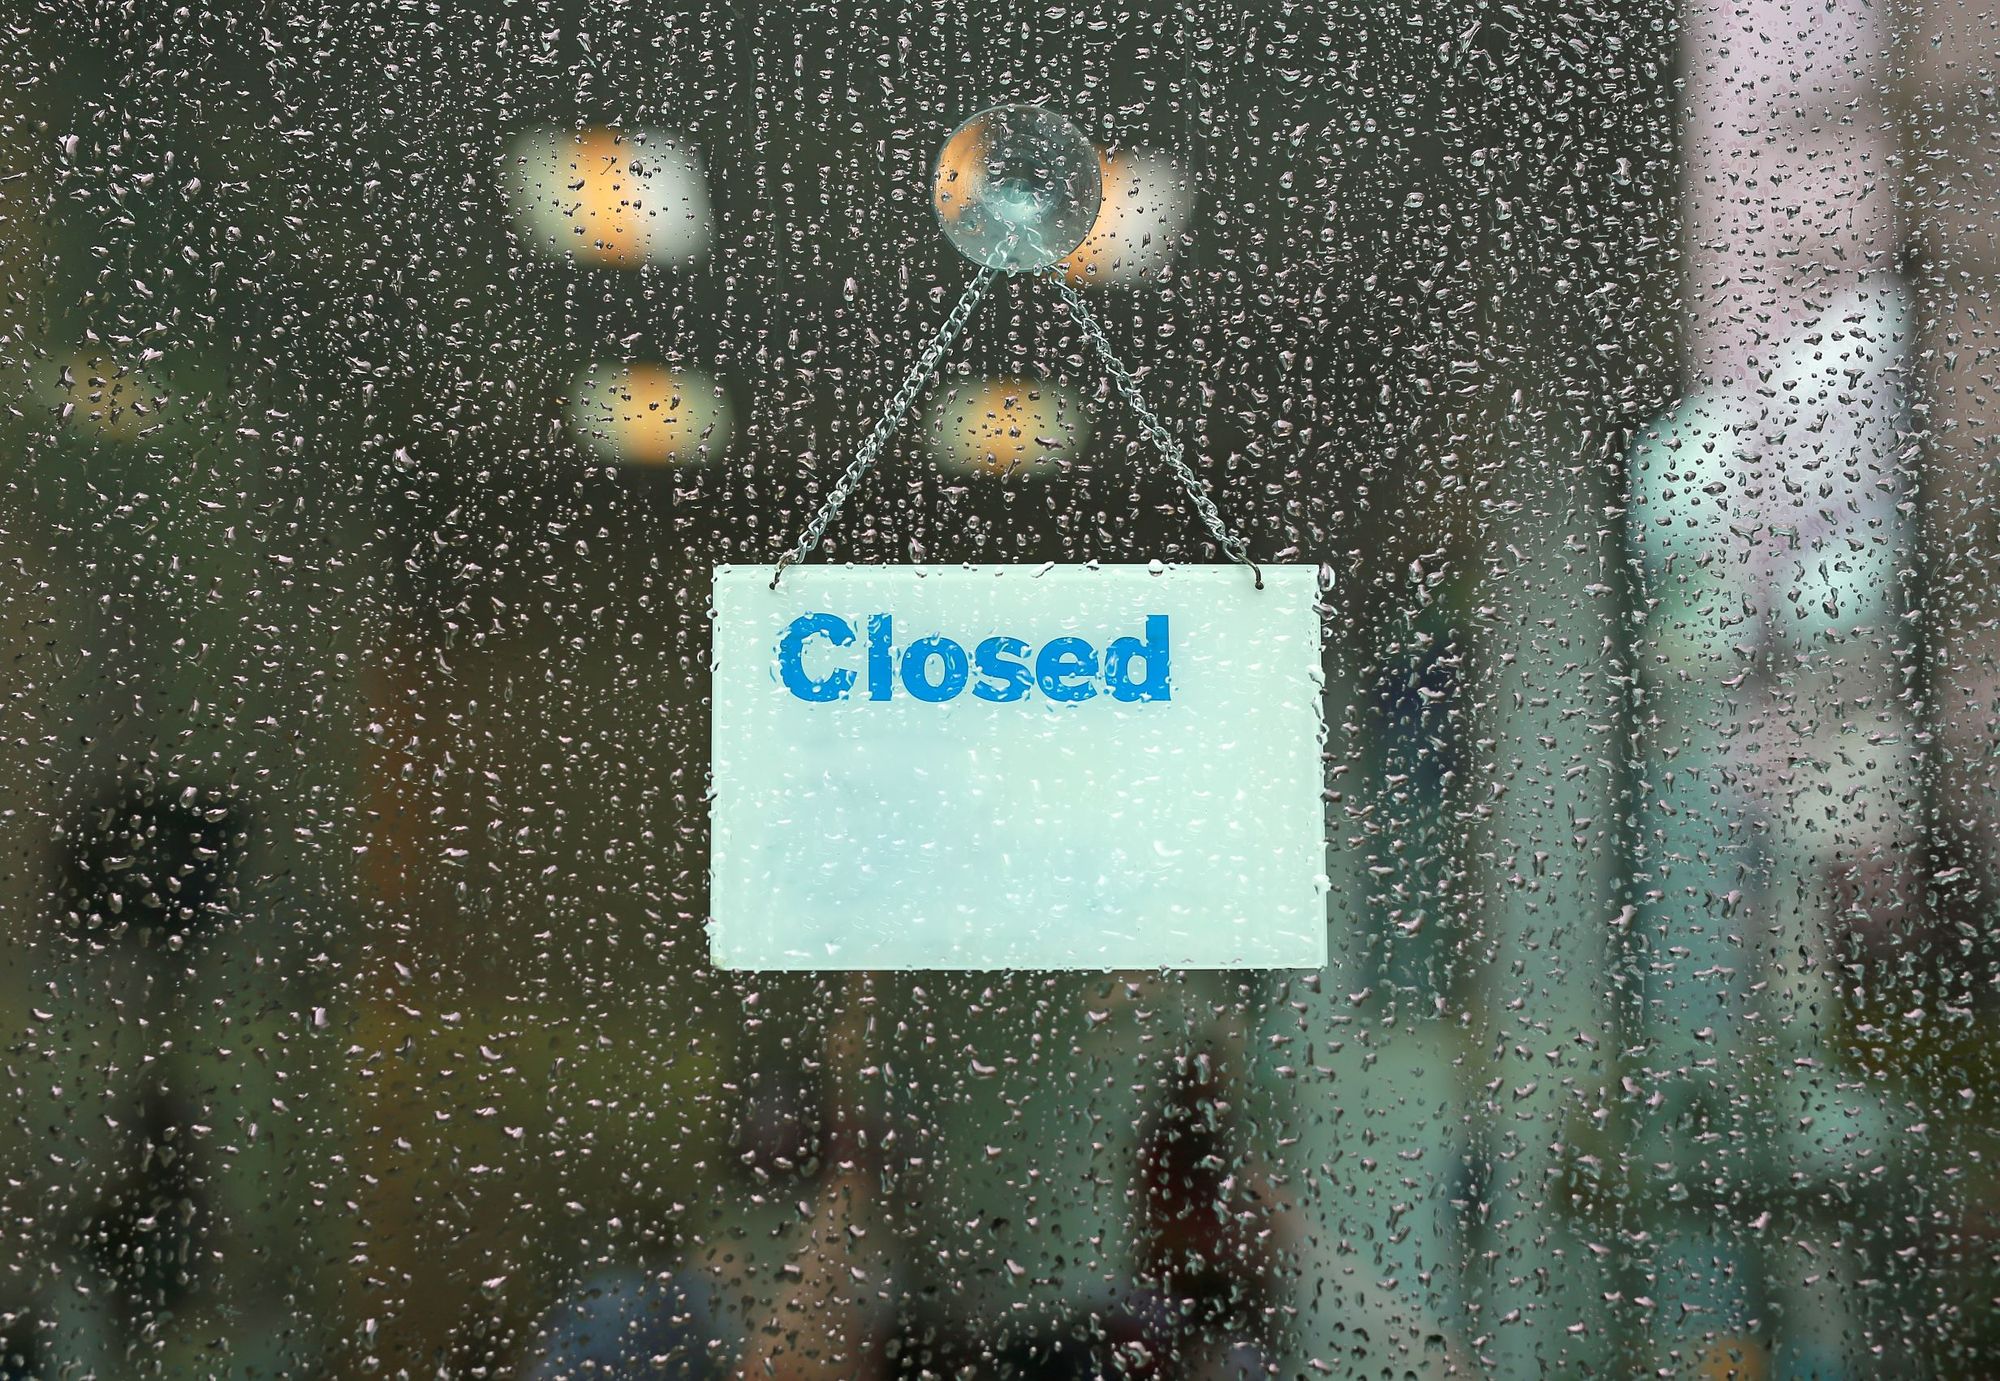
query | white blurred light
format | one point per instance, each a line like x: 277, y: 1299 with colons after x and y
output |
x: 1145, y: 208
x: 613, y: 198
x: 1007, y: 426
x: 1786, y: 500
x: 648, y: 414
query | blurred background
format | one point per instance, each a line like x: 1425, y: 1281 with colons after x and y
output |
x: 381, y: 382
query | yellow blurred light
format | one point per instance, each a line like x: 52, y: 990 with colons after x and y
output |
x: 611, y: 198
x: 648, y: 414
x: 110, y: 400
x: 1145, y: 208
x: 1008, y: 426
x: 961, y: 174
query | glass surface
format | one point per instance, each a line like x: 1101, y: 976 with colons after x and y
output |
x: 381, y: 383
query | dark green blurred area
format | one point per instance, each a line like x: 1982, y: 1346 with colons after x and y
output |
x: 357, y: 1008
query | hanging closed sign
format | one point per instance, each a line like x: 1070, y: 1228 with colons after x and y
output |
x: 1054, y: 767
x: 1039, y: 767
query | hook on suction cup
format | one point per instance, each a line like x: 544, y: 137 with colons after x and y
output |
x: 1017, y: 188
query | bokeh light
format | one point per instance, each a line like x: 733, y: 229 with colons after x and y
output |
x: 612, y: 198
x: 1146, y: 203
x: 649, y: 414
x: 1006, y: 427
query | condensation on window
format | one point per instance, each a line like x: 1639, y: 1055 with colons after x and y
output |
x: 379, y: 385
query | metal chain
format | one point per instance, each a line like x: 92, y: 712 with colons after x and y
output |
x: 1153, y: 428
x: 870, y: 450
x: 925, y: 368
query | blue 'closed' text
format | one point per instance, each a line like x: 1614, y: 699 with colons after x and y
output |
x: 819, y: 661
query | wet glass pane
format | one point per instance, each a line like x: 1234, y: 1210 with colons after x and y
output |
x: 381, y: 383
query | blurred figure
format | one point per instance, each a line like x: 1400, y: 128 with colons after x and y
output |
x: 1206, y: 1211
x: 827, y: 1311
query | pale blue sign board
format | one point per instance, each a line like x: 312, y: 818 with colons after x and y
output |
x: 1017, y: 767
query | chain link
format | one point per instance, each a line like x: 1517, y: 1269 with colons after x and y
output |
x: 1153, y: 428
x: 870, y: 450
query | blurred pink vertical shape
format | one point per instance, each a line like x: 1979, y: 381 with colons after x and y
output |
x: 1790, y: 198
x: 1799, y: 340
x: 1784, y: 486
